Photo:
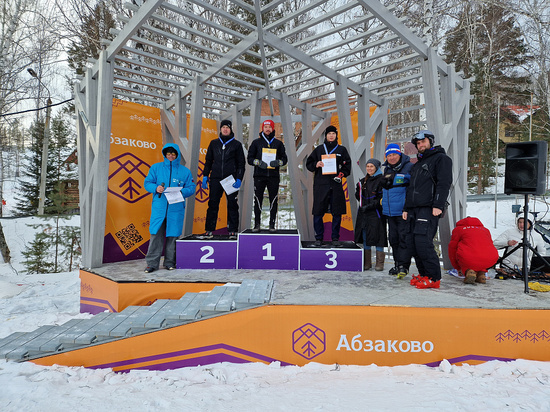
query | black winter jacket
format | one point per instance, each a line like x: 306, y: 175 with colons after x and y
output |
x: 369, y: 215
x: 255, y: 152
x: 431, y: 180
x: 220, y: 163
x: 324, y: 185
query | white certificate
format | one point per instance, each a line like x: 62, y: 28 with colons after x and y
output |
x: 329, y: 162
x: 268, y: 155
x: 227, y: 184
x: 173, y: 194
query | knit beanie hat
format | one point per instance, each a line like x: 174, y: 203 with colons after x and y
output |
x: 331, y: 128
x: 269, y: 122
x: 375, y: 162
x: 393, y: 148
x: 226, y: 122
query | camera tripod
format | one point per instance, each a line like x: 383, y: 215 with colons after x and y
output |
x: 525, y: 245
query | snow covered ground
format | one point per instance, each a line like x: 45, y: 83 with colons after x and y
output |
x: 29, y: 301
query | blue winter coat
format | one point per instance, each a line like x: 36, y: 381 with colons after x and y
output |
x: 397, y: 179
x: 172, y: 174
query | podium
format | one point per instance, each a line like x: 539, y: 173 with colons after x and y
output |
x: 281, y: 250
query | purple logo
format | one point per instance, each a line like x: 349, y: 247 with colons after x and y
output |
x: 308, y: 341
x: 125, y: 171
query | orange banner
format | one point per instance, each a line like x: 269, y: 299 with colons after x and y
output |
x: 136, y: 142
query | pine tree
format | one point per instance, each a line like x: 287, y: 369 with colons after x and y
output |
x: 487, y: 44
x: 37, y: 255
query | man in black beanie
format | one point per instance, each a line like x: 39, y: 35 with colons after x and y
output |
x: 330, y: 162
x: 224, y: 157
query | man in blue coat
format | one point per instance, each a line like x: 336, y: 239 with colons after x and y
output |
x: 166, y: 220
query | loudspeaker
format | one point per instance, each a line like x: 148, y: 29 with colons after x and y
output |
x: 525, y: 171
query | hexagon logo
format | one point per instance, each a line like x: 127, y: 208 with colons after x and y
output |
x: 308, y: 341
x: 125, y: 173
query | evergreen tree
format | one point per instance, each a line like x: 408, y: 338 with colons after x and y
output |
x: 61, y: 144
x: 94, y: 27
x: 487, y: 44
x: 37, y: 255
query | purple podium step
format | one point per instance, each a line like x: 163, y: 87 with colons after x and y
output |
x: 281, y: 250
x: 265, y: 250
x: 349, y: 257
x: 192, y: 252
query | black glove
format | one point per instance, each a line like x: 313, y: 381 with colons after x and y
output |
x: 276, y: 163
x: 260, y: 163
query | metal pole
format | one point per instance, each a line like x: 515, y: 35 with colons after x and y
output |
x: 531, y: 118
x: 496, y: 156
x: 525, y: 244
x: 44, y: 168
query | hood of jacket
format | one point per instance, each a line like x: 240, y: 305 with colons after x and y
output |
x: 176, y: 148
x: 469, y: 221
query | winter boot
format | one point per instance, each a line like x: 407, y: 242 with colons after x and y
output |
x: 480, y: 277
x: 402, y: 272
x: 470, y: 277
x: 367, y: 259
x: 380, y: 257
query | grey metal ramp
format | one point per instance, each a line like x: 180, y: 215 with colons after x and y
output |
x: 253, y: 292
x: 135, y: 323
x: 16, y: 349
x: 220, y: 299
x: 171, y: 312
x: 77, y: 335
x: 48, y: 341
x: 134, y: 320
x: 6, y: 341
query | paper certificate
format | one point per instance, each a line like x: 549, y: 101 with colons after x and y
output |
x: 227, y: 184
x: 173, y: 194
x: 329, y: 162
x: 268, y: 155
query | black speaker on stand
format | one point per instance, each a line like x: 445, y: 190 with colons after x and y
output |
x: 525, y: 174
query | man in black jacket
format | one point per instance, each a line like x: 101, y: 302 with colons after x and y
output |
x: 425, y: 202
x: 267, y: 154
x: 224, y: 157
x: 330, y: 162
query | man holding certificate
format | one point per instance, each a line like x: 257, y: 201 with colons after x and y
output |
x: 330, y: 162
x: 267, y: 154
x: 223, y: 172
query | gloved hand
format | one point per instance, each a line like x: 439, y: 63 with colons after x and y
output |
x: 276, y: 163
x: 338, y: 179
x: 237, y: 183
x: 205, y: 183
x: 260, y: 163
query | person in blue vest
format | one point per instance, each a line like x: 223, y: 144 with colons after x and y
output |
x: 330, y: 162
x: 166, y: 221
x: 224, y: 158
x: 266, y: 175
x: 397, y: 174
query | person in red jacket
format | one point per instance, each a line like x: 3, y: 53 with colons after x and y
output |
x: 471, y: 249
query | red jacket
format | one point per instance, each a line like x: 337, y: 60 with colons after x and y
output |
x: 471, y: 246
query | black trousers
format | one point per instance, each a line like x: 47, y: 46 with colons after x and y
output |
x: 319, y: 226
x: 422, y: 230
x: 272, y: 184
x: 216, y: 192
x: 398, y: 236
